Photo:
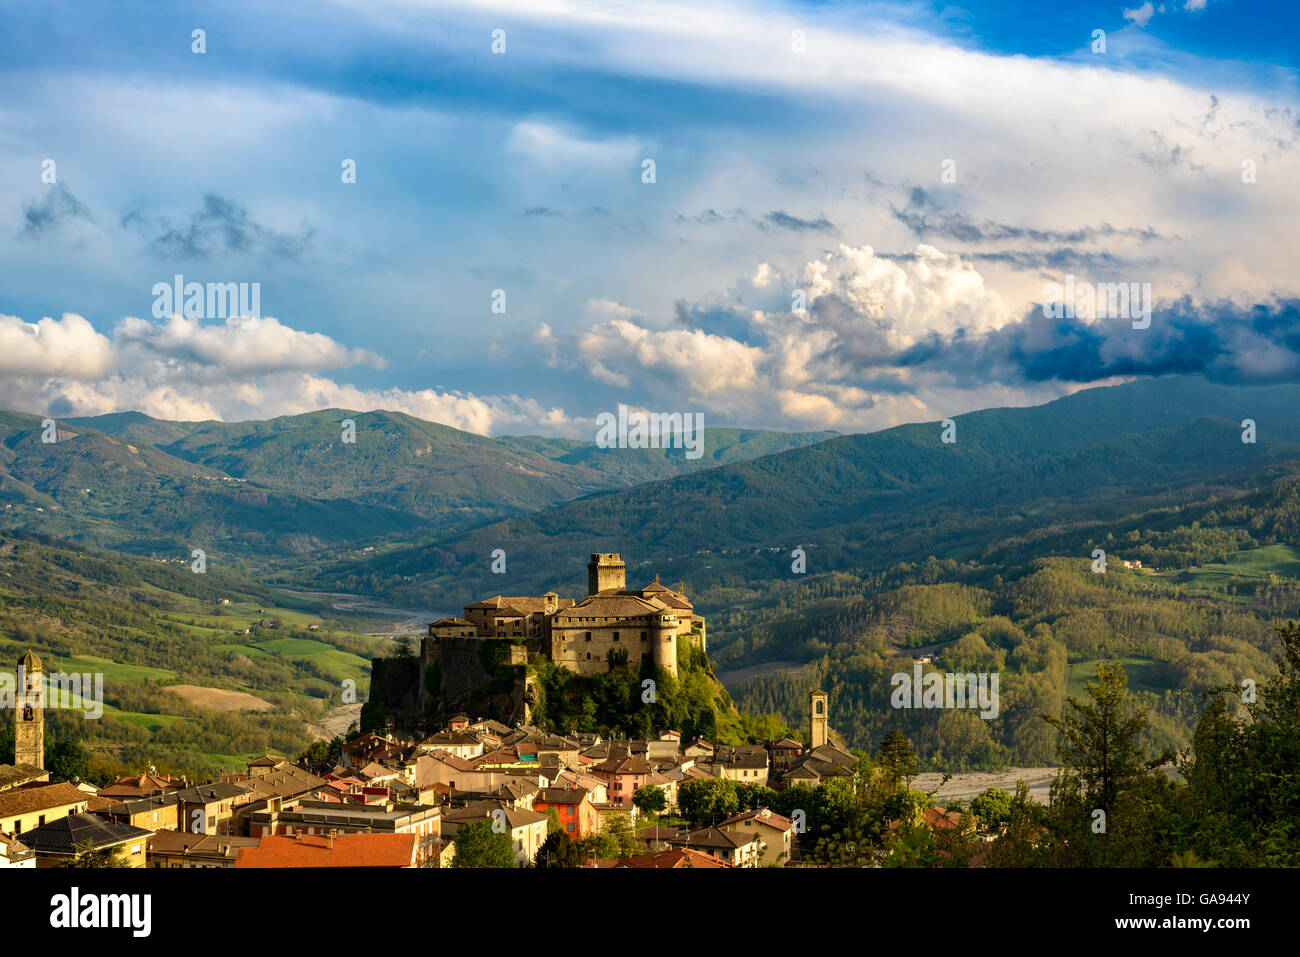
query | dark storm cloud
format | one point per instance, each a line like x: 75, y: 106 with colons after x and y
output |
x: 1225, y: 342
x: 924, y: 217
x: 44, y: 217
x: 220, y: 226
x: 783, y: 220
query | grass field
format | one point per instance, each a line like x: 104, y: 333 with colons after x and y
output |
x: 1252, y: 564
x: 1138, y: 670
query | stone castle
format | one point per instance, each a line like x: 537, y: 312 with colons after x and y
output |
x: 644, y: 624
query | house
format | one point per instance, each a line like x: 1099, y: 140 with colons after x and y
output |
x: 744, y: 765
x: 29, y: 806
x: 736, y: 848
x: 14, y: 853
x: 823, y: 763
x: 574, y: 807
x: 142, y: 785
x: 324, y: 818
x: 210, y: 808
x: 331, y: 850
x: 61, y: 840
x: 463, y: 744
x: 153, y: 813
x: 12, y: 775
x: 527, y: 829
x: 783, y: 752
x: 675, y: 857
x: 622, y: 776
x: 178, y: 849
x: 774, y: 830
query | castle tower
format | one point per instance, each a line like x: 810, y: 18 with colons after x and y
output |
x: 663, y: 641
x: 817, y: 713
x: 605, y: 571
x: 29, y: 713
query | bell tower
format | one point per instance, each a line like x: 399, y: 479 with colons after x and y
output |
x: 29, y: 713
x: 817, y: 716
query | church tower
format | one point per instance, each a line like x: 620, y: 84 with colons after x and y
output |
x: 29, y: 713
x: 817, y: 715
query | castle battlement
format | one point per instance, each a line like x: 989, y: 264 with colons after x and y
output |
x: 644, y: 624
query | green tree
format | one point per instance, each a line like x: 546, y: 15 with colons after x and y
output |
x: 477, y: 845
x: 706, y: 801
x: 992, y: 807
x: 1098, y: 741
x: 650, y: 799
x: 85, y: 855
x: 896, y: 757
x: 558, y: 851
x: 67, y: 760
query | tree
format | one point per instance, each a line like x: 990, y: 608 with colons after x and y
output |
x: 1098, y: 742
x: 477, y: 845
x: 650, y: 799
x: 67, y: 760
x: 86, y: 856
x: 1242, y: 804
x: 992, y: 807
x: 558, y: 851
x: 707, y: 800
x: 896, y: 757
x: 621, y: 831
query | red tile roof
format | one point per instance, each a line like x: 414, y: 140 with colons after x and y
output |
x: 344, y: 850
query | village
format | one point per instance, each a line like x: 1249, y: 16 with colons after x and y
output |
x: 388, y: 802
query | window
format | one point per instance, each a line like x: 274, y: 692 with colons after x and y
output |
x: 616, y: 636
x: 589, y: 639
x: 643, y: 636
x: 40, y: 821
x: 570, y: 828
x: 570, y: 810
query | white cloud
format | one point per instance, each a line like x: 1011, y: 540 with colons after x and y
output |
x: 69, y: 347
x: 182, y: 369
x: 1141, y: 15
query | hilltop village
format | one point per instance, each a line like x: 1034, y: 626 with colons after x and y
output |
x: 383, y: 801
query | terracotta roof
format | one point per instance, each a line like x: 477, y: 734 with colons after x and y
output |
x: 610, y: 604
x: 714, y: 837
x: 624, y: 765
x: 674, y: 857
x: 526, y: 604
x: 762, y: 816
x: 39, y: 796
x: 452, y: 761
x: 452, y: 622
x: 12, y: 775
x: 343, y: 850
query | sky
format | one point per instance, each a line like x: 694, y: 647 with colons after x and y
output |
x: 856, y: 214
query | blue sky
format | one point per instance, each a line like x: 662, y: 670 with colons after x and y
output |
x: 787, y: 164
